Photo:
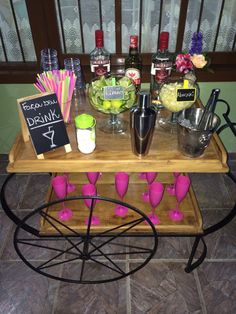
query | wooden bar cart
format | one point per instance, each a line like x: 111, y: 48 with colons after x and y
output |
x: 114, y: 238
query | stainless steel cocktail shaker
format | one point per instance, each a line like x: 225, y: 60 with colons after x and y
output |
x: 142, y: 124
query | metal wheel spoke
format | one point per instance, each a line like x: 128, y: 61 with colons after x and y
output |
x: 43, y: 266
x: 115, y: 270
x: 120, y: 226
x: 63, y: 234
x: 121, y: 253
x: 82, y: 270
x: 44, y: 215
x: 131, y: 246
x: 41, y: 246
x: 105, y: 255
x: 117, y: 235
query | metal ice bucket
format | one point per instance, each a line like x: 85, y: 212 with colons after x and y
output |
x: 192, y: 142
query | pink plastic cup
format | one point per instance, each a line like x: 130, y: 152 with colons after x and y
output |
x: 93, y: 177
x: 59, y: 184
x: 90, y: 190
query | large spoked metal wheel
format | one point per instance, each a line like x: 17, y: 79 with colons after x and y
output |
x: 78, y: 251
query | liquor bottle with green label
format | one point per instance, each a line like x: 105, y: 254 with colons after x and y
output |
x: 133, y: 62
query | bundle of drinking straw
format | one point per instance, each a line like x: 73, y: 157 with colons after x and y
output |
x: 61, y: 82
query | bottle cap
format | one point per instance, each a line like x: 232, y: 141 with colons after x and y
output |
x: 84, y: 121
x: 99, y: 38
x: 164, y: 39
x: 133, y: 41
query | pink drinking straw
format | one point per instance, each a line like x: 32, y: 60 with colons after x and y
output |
x: 59, y: 184
x: 90, y: 190
x: 121, y: 185
x: 156, y: 190
x: 181, y: 190
x: 150, y: 177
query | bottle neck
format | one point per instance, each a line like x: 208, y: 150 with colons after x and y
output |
x: 99, y: 43
x: 99, y: 39
x: 133, y: 51
x: 163, y: 47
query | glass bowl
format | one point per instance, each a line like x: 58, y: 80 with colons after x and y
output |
x: 112, y: 94
x: 177, y: 95
x: 168, y: 94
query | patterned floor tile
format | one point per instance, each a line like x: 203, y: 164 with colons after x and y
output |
x: 220, y: 244
x: 96, y: 298
x: 164, y: 288
x: 48, y: 249
x: 3, y: 165
x: 211, y: 191
x: 5, y: 226
x: 15, y: 189
x: 218, y: 284
x: 168, y: 247
x: 36, y: 190
x: 231, y: 186
x: 23, y: 291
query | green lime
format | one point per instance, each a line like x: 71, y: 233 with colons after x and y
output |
x: 116, y: 103
x: 106, y: 104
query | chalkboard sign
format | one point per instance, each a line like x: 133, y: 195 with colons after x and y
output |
x: 113, y: 92
x: 186, y: 94
x: 44, y: 121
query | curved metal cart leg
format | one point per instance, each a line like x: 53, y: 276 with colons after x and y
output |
x: 192, y: 265
x: 81, y: 250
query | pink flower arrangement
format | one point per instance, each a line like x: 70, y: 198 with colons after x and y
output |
x: 183, y: 63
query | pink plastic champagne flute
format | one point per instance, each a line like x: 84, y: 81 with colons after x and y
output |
x: 90, y: 190
x: 142, y: 175
x: 93, y: 177
x: 70, y: 186
x: 181, y: 190
x: 150, y: 177
x: 121, y: 185
x: 156, y: 190
x: 59, y: 184
x: 171, y: 188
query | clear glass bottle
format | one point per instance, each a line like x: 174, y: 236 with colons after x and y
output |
x: 99, y: 58
x: 161, y: 66
x: 133, y: 63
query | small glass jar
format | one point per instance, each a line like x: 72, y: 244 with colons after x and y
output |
x: 85, y: 133
x: 49, y: 59
x: 73, y: 64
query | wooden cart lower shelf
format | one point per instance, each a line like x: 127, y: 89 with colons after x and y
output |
x: 191, y: 224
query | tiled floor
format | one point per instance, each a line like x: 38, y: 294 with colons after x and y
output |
x: 162, y: 286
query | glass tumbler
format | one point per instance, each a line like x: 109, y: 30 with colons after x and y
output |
x: 73, y: 64
x: 49, y: 59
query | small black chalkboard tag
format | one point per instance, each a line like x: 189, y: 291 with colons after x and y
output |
x: 186, y: 94
x: 45, y: 123
x: 113, y: 92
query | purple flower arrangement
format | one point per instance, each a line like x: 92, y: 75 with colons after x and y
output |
x: 196, y: 44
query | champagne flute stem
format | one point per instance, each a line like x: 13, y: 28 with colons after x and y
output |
x: 153, y: 211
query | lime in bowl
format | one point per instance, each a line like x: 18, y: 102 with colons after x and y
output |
x: 112, y: 94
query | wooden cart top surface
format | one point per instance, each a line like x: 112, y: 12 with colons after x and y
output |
x: 113, y: 153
